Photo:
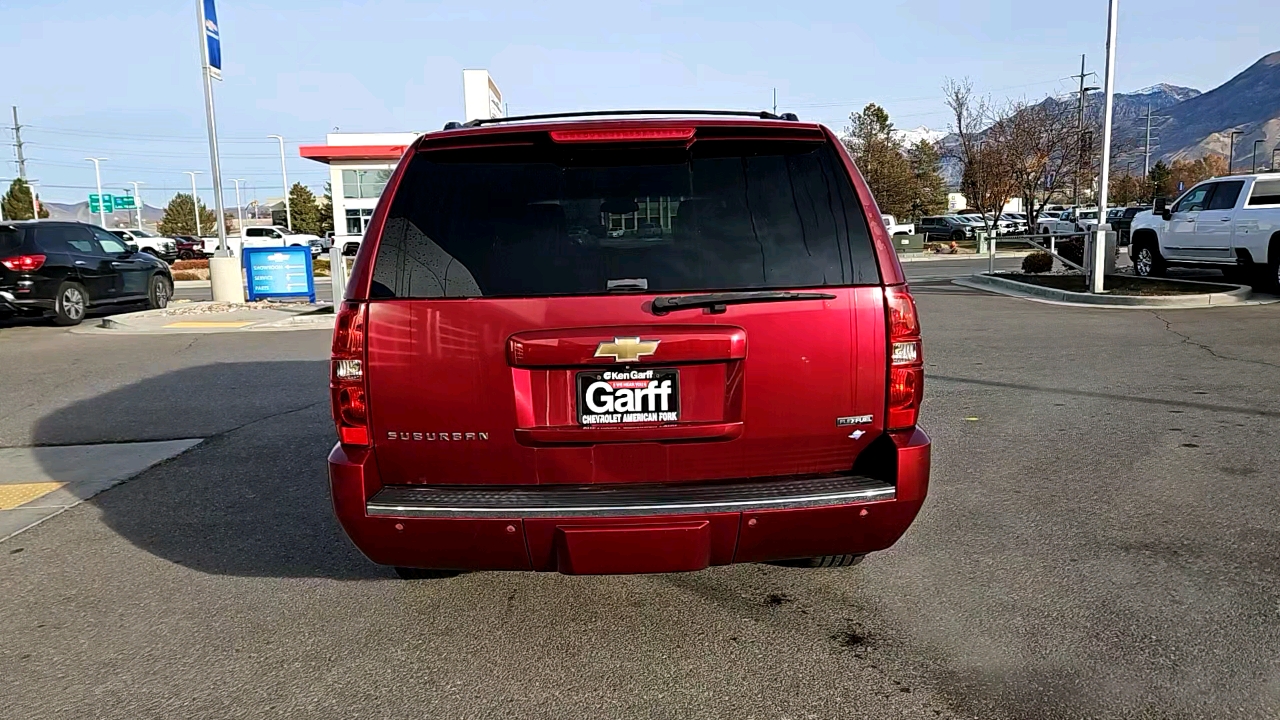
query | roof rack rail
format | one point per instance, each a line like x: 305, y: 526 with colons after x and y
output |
x: 762, y: 114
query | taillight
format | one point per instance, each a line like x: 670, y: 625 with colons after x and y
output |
x: 23, y: 263
x: 906, y: 360
x: 346, y: 376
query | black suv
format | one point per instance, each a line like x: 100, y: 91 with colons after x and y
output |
x: 1121, y: 221
x: 64, y: 268
x: 946, y: 226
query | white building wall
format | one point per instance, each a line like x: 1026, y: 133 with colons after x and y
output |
x: 342, y: 203
x: 481, y: 98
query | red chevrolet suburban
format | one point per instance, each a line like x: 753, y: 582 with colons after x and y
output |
x: 626, y: 343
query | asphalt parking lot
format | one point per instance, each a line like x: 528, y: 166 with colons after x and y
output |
x: 1099, y: 542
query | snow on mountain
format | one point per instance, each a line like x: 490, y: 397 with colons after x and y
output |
x: 911, y: 137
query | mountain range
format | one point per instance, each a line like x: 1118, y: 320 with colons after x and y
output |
x: 1202, y: 123
x: 1186, y: 123
x: 80, y: 211
x: 151, y: 216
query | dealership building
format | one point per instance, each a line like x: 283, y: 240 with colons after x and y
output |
x: 361, y: 163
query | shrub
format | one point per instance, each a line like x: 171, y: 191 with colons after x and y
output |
x: 190, y: 275
x: 1037, y: 262
x: 190, y: 265
x: 1072, y: 250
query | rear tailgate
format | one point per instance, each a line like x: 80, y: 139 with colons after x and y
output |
x: 496, y: 353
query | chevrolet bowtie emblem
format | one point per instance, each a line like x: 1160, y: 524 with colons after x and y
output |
x: 627, y: 349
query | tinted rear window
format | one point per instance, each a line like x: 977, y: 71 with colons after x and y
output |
x: 10, y: 239
x: 549, y: 219
x: 1265, y: 192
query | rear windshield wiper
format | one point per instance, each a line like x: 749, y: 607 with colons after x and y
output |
x: 717, y: 301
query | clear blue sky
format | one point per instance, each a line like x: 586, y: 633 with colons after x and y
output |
x: 121, y: 79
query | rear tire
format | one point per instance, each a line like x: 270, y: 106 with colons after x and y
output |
x: 408, y: 573
x: 1270, y: 280
x: 825, y: 561
x: 158, y: 292
x: 70, y: 304
x: 186, y: 255
x: 1147, y: 261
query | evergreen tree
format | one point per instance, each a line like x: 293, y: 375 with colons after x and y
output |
x: 1160, y: 181
x: 879, y: 156
x: 179, y: 218
x: 929, y: 190
x: 326, y: 210
x: 17, y: 202
x: 306, y: 213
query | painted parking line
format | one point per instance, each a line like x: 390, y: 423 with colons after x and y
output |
x: 37, y: 483
x: 207, y: 324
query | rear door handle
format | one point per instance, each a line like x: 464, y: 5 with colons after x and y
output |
x: 1226, y: 219
x: 81, y: 262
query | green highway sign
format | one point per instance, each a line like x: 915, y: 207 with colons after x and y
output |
x: 103, y: 204
x: 111, y: 203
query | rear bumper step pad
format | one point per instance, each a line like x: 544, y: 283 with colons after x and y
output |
x: 478, y: 501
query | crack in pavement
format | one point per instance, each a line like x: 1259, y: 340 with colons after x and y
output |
x: 1188, y: 340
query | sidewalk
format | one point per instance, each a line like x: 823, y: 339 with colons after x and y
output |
x: 37, y: 483
x: 927, y: 256
x: 214, y: 317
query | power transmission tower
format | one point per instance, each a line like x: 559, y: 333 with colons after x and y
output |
x: 1080, y: 136
x: 17, y: 143
x: 1146, y: 153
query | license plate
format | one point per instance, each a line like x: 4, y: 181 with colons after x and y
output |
x: 617, y: 397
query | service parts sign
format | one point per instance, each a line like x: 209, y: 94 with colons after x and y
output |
x: 279, y: 272
x: 611, y: 397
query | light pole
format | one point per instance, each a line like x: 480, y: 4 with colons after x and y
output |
x: 1231, y: 154
x: 1256, y: 143
x: 137, y: 197
x: 1097, y: 277
x: 195, y: 203
x: 284, y: 175
x: 239, y: 205
x: 97, y: 173
x: 1273, y: 158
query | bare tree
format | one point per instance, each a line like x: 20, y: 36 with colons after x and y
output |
x: 982, y: 151
x: 1041, y: 143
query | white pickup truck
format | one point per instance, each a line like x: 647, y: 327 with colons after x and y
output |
x: 268, y: 236
x: 1231, y: 223
x: 1071, y: 220
x: 142, y: 241
x: 895, y: 228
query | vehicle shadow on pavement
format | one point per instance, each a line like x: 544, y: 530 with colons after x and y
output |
x: 253, y: 498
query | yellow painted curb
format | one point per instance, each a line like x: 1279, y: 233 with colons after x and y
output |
x: 11, y: 496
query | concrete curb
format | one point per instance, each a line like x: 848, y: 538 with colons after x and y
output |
x: 927, y: 257
x: 127, y: 323
x: 1242, y: 295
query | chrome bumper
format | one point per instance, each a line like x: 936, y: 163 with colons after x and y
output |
x: 648, y: 499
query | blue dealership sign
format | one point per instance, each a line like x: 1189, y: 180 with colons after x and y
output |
x: 212, y: 42
x: 274, y: 272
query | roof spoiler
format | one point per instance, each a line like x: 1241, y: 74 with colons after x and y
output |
x: 762, y: 114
